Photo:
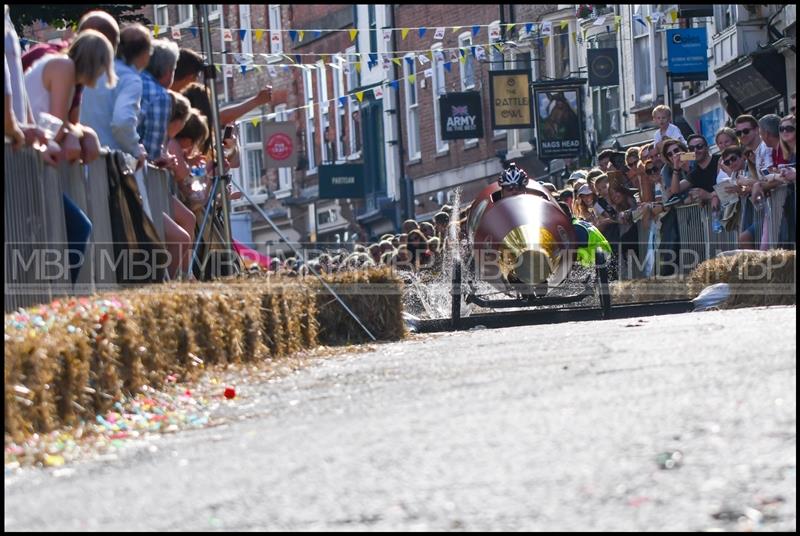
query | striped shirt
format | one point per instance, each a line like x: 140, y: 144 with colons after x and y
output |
x: 154, y: 117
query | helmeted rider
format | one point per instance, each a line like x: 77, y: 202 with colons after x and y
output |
x: 513, y: 180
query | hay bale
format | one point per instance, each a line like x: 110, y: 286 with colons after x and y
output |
x: 104, y: 376
x: 756, y: 278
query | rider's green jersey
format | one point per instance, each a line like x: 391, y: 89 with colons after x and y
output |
x: 593, y: 240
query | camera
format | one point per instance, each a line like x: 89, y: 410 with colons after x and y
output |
x: 688, y: 157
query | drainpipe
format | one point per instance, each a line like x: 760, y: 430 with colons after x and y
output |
x: 406, y: 190
x: 223, y: 49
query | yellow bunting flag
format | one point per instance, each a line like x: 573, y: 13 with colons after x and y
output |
x: 258, y: 67
x: 259, y: 35
x: 456, y: 29
x: 463, y: 58
x: 564, y: 24
x: 509, y: 26
x: 674, y: 16
x: 219, y: 67
x: 404, y: 32
x: 360, y: 95
x: 358, y: 66
x: 412, y: 78
x: 546, y: 40
x: 156, y: 27
x: 575, y: 37
x: 300, y: 34
x: 398, y: 61
x: 324, y: 58
x: 255, y: 121
x: 353, y: 34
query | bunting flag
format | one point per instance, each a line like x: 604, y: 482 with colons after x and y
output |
x: 494, y: 31
x: 219, y: 68
x: 673, y: 15
x: 259, y: 35
x: 397, y: 61
x: 194, y: 31
x: 422, y: 32
x: 387, y: 35
x: 358, y: 67
x: 360, y: 95
x: 423, y: 59
x: 395, y: 84
x: 429, y: 73
x: 373, y: 57
x: 498, y: 47
x: 176, y: 33
x: 317, y: 33
x: 617, y: 22
x: 404, y: 33
x: 439, y: 55
x: 637, y: 17
x: 564, y: 24
x: 412, y: 78
x: 156, y: 28
x: 243, y: 68
x: 258, y: 67
x: 475, y: 30
x: 546, y: 29
x: 510, y: 26
x: 378, y: 92
x: 353, y: 34
x: 293, y: 35
x: 481, y: 53
x: 439, y: 33
x: 546, y: 40
x: 600, y: 21
x: 255, y: 121
x: 298, y: 58
x: 228, y: 70
x: 242, y: 33
x: 300, y: 34
x: 472, y: 50
x: 74, y: 27
x: 410, y: 60
x: 528, y: 27
x: 227, y: 35
x: 447, y: 65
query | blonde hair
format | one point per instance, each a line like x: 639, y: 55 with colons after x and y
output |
x: 581, y: 211
x: 787, y: 151
x: 93, y: 56
x: 662, y: 108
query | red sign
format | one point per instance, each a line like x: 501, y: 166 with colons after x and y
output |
x: 279, y: 146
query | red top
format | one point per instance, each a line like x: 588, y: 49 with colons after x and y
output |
x: 777, y: 156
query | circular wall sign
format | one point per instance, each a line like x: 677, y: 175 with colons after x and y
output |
x: 279, y: 146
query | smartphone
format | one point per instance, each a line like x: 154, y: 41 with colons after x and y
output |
x: 228, y: 132
x: 688, y: 157
x: 765, y: 172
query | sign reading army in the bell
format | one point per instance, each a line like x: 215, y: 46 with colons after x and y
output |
x: 460, y: 115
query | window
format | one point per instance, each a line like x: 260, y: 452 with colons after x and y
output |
x: 339, y: 106
x: 412, y: 109
x: 605, y: 100
x: 311, y: 134
x: 185, y: 14
x: 642, y: 44
x: 373, y: 28
x: 496, y: 58
x: 326, y: 140
x: 519, y: 138
x: 253, y: 157
x: 244, y: 24
x: 275, y: 37
x: 724, y: 16
x: 561, y: 64
x: 439, y: 88
x: 161, y: 13
x: 214, y: 11
x: 353, y: 118
x: 284, y: 173
x: 467, y: 70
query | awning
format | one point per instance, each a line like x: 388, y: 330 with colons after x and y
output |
x: 635, y: 138
x: 755, y: 80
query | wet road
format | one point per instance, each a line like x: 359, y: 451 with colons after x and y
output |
x: 683, y: 422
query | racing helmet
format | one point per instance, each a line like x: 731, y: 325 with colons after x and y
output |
x: 513, y: 176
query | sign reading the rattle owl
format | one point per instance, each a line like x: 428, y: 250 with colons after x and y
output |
x: 510, y: 92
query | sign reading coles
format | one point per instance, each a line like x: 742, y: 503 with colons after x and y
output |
x: 280, y: 144
x: 511, y: 99
x: 341, y: 181
x: 460, y: 115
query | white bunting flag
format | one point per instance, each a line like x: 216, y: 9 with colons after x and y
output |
x: 228, y: 69
x: 428, y: 73
x: 387, y: 35
x: 547, y: 29
x: 494, y: 31
x: 423, y: 59
x: 439, y: 34
x: 176, y: 33
x: 480, y: 53
x: 273, y: 72
x: 227, y: 35
x: 378, y: 91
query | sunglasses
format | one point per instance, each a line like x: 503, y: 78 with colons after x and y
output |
x: 674, y: 152
x: 651, y: 171
x: 632, y: 163
x: 697, y: 146
x: 730, y: 160
x: 743, y: 132
x: 787, y: 128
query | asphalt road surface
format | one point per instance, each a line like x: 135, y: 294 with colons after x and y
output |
x: 681, y: 422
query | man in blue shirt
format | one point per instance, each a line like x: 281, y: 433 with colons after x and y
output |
x: 156, y: 102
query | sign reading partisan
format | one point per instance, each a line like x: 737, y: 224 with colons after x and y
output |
x: 280, y: 144
x: 558, y: 124
x: 511, y: 99
x: 460, y: 115
x: 341, y: 181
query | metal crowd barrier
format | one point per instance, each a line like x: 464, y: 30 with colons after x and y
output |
x: 36, y: 249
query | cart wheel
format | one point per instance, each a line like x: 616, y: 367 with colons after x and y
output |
x: 455, y: 295
x: 602, y: 283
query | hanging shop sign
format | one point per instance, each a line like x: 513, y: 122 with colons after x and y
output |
x: 341, y: 181
x: 603, y: 67
x: 687, y: 49
x: 280, y: 144
x: 559, y: 131
x: 460, y: 115
x: 511, y: 99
